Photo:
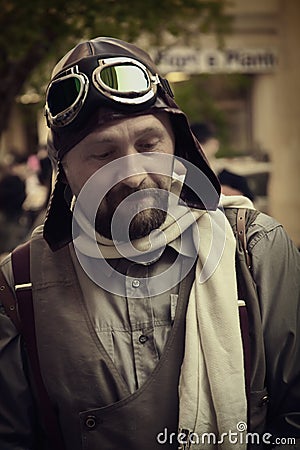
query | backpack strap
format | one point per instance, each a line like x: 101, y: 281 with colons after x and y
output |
x: 240, y: 220
x: 244, y: 218
x: 241, y: 233
x: 22, y: 315
x: 243, y: 315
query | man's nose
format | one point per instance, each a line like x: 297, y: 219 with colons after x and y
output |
x: 132, y: 169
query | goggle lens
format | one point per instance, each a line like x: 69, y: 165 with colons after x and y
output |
x: 125, y: 78
x: 62, y: 94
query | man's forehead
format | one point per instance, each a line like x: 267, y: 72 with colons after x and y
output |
x: 137, y: 124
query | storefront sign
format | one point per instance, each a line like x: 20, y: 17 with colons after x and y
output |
x: 193, y: 61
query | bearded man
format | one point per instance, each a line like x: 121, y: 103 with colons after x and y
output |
x: 133, y: 332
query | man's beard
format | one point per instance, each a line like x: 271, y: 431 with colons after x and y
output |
x: 132, y: 222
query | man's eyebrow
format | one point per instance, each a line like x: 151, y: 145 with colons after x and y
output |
x: 104, y: 140
x: 110, y: 139
x: 149, y: 130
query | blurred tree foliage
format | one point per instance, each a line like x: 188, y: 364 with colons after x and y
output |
x: 36, y: 33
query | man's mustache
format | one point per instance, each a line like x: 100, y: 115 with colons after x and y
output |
x: 122, y: 193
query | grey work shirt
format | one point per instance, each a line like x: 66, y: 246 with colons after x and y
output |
x: 134, y: 328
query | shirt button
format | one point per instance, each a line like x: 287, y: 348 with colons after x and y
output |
x: 143, y: 339
x: 135, y: 283
x: 90, y: 422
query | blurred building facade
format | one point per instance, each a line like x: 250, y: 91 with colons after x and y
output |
x: 263, y: 45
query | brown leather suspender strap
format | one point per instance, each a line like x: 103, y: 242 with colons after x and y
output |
x: 241, y: 233
x: 243, y: 315
x: 23, y: 318
x: 245, y: 333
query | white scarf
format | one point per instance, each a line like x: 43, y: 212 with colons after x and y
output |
x: 212, y: 385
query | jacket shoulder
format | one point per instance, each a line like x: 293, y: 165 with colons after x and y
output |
x: 261, y: 227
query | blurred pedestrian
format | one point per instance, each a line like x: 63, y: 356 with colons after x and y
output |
x: 44, y: 177
x: 13, y: 219
x: 231, y: 183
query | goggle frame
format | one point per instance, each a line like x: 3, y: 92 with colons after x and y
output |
x: 114, y: 96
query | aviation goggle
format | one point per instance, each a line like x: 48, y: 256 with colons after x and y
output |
x: 120, y: 80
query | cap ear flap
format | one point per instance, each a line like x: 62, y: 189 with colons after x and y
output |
x: 188, y: 148
x: 58, y: 223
